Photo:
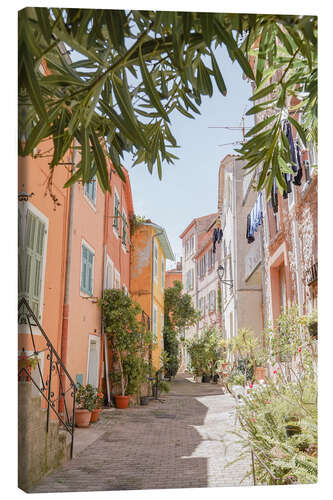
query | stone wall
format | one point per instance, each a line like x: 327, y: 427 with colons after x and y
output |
x: 39, y: 452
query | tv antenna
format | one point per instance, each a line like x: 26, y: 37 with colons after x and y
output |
x: 234, y: 128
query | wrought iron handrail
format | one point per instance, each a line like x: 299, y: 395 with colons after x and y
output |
x: 56, y: 366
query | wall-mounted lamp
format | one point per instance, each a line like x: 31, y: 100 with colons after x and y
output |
x: 24, y: 196
x: 220, y: 273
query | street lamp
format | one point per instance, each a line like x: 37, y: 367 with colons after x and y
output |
x: 220, y: 273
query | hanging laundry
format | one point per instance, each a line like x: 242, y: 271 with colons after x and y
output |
x: 287, y: 178
x: 298, y: 177
x: 274, y: 197
x: 249, y: 230
x: 286, y: 127
x: 217, y: 233
x: 254, y: 219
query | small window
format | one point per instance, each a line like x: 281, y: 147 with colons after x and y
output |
x: 162, y: 273
x: 155, y: 261
x: 124, y: 235
x: 87, y: 266
x: 116, y: 279
x: 90, y: 190
x: 109, y: 275
x: 116, y: 212
x: 154, y: 324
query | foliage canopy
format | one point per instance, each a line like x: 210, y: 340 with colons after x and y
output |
x: 134, y: 68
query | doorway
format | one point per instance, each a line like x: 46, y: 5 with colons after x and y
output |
x: 93, y: 361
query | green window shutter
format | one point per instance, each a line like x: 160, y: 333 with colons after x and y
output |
x: 90, y: 189
x: 87, y: 270
x: 124, y: 230
x: 84, y: 269
x: 116, y: 212
x: 32, y: 259
x: 90, y: 271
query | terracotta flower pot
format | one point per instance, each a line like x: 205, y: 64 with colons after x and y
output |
x: 82, y: 417
x: 122, y: 401
x: 95, y: 414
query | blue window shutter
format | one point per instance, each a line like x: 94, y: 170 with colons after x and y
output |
x: 84, y: 269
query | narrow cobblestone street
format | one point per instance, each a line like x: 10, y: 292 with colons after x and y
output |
x: 184, y: 442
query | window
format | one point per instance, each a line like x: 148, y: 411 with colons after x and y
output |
x: 192, y: 244
x: 212, y: 301
x: 90, y: 190
x: 116, y: 279
x: 190, y: 279
x: 116, y: 212
x: 124, y: 236
x: 87, y: 265
x: 210, y: 259
x: 155, y: 261
x: 109, y: 275
x: 31, y: 239
x: 162, y: 273
x: 154, y: 324
x: 202, y: 305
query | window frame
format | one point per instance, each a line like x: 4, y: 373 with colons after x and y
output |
x: 155, y: 321
x: 124, y: 230
x: 23, y: 212
x: 155, y: 260
x: 116, y: 213
x: 86, y: 292
x: 87, y: 194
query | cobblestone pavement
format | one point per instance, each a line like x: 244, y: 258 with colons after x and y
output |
x: 184, y: 442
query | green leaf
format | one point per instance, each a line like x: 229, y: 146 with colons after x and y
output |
x: 159, y: 167
x: 150, y: 88
x: 33, y: 87
x: 99, y: 155
x: 44, y: 22
x: 262, y: 93
x: 233, y: 49
x: 260, y: 126
x: 183, y: 111
x: 218, y: 76
x: 86, y: 156
x: 299, y: 129
x: 204, y: 83
x: 114, y: 22
x: 75, y: 177
x: 58, y: 138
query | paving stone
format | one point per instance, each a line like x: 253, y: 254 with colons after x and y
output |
x: 184, y: 442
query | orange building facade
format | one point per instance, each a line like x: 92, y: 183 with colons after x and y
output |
x: 174, y: 274
x: 150, y: 250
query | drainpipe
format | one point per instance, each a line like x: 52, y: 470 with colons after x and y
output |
x: 152, y: 277
x: 104, y: 337
x: 106, y: 358
x: 235, y: 276
x: 65, y: 319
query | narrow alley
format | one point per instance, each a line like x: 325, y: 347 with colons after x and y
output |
x: 185, y: 440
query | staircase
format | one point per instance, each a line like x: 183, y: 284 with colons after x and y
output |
x: 46, y: 405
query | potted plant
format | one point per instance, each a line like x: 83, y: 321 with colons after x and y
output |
x: 129, y: 340
x: 25, y: 365
x: 97, y: 399
x: 85, y: 404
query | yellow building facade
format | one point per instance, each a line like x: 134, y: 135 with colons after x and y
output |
x: 150, y: 251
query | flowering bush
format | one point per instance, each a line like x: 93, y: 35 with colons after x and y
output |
x: 279, y: 419
x: 85, y: 397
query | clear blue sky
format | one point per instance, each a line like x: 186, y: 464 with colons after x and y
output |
x: 189, y: 187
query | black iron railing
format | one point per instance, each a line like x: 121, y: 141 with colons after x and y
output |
x: 55, y: 384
